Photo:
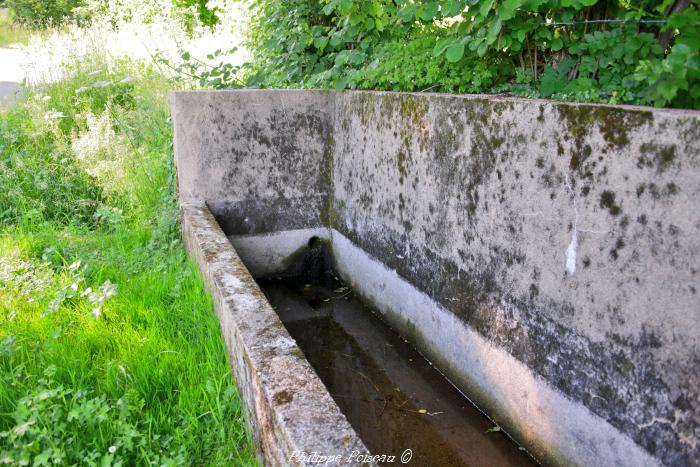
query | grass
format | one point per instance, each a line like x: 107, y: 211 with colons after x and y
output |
x: 109, y: 351
x: 11, y: 32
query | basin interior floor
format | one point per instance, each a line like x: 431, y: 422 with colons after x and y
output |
x: 389, y: 393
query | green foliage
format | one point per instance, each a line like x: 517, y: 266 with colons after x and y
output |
x: 219, y: 75
x: 197, y: 8
x: 675, y: 80
x: 292, y: 42
x: 601, y: 67
x: 11, y: 32
x: 109, y: 351
x: 608, y: 51
x: 43, y: 13
x: 406, y: 64
x: 39, y: 179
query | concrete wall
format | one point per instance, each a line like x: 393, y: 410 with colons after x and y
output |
x: 544, y: 256
x: 259, y: 159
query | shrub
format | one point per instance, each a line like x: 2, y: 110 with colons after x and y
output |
x: 602, y: 51
x: 44, y: 13
x: 199, y: 9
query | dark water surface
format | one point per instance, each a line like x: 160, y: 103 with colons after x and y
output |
x: 389, y: 393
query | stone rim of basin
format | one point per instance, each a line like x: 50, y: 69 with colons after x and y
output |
x: 289, y: 410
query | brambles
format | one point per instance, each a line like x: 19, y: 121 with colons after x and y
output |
x: 585, y: 50
x: 44, y: 14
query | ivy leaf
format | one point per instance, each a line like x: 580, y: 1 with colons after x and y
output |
x: 341, y: 84
x: 667, y: 89
x: 356, y: 58
x: 430, y: 11
x: 507, y: 9
x: 555, y: 80
x: 485, y: 8
x: 336, y: 39
x: 452, y: 8
x: 379, y: 24
x: 557, y: 44
x: 441, y: 46
x: 494, y: 29
x: 408, y: 13
x: 328, y: 9
x: 320, y: 43
x: 454, y: 52
x: 342, y: 57
x: 345, y: 6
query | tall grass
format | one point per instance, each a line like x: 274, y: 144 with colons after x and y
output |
x: 109, y: 351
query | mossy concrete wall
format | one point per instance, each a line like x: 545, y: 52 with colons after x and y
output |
x: 567, y: 234
x: 565, y: 237
x: 259, y: 159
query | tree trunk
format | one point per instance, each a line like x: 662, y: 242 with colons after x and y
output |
x: 666, y: 37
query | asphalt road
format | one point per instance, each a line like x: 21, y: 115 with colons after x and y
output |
x: 11, y: 73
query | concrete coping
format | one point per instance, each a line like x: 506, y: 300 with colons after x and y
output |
x: 290, y: 412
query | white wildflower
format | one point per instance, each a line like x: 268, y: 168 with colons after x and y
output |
x: 102, y: 152
x: 106, y: 291
x: 28, y: 278
x: 53, y: 115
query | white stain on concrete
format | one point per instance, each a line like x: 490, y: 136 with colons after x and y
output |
x: 231, y: 282
x: 282, y: 343
x: 571, y: 253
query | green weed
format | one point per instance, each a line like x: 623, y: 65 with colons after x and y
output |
x: 12, y: 32
x: 109, y: 351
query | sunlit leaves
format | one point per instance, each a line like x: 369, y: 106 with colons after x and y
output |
x: 452, y: 7
x: 429, y: 11
x: 337, y: 43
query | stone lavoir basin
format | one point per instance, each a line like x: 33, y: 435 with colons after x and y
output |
x: 394, y: 399
x: 383, y: 264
